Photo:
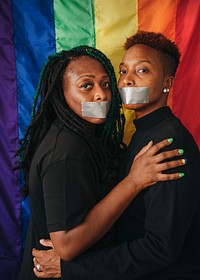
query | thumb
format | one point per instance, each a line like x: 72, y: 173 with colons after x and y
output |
x: 46, y: 243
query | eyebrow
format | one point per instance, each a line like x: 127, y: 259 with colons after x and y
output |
x: 87, y: 75
x: 92, y: 76
x: 137, y: 61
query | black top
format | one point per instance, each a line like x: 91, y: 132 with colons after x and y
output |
x: 65, y: 182
x: 159, y: 233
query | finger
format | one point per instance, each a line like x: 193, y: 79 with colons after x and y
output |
x: 171, y: 164
x: 166, y: 177
x: 168, y: 154
x: 36, y: 262
x: 46, y: 242
x: 160, y: 145
x: 34, y: 251
x: 144, y: 149
x: 39, y: 254
x: 40, y: 274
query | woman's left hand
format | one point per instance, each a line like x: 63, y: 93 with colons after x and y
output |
x: 46, y: 262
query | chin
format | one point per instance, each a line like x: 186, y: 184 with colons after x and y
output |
x: 96, y: 120
x: 132, y: 106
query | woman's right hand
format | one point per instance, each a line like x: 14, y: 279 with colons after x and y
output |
x: 149, y: 164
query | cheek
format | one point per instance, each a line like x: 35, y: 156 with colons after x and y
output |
x: 157, y: 88
x: 155, y: 92
x: 120, y: 82
x: 73, y: 102
x: 109, y: 96
x: 75, y: 106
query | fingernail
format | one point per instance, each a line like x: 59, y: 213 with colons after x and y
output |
x: 180, y: 151
x: 150, y: 142
x: 170, y: 140
x: 184, y: 161
x: 181, y: 175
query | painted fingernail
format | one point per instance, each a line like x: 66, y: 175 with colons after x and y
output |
x: 181, y: 175
x: 184, y: 161
x: 170, y: 140
x: 180, y: 151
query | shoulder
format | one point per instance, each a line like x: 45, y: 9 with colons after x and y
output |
x: 60, y: 144
x: 172, y: 127
x: 70, y: 143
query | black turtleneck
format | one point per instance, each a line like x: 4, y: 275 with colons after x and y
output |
x: 158, y: 125
x: 153, y: 118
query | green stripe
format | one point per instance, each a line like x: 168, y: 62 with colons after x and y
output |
x: 74, y: 23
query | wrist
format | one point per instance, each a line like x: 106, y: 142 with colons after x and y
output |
x: 133, y: 187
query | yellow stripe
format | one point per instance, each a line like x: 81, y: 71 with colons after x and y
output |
x: 114, y: 22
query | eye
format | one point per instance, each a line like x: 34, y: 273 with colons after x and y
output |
x: 105, y: 84
x: 143, y: 70
x: 86, y: 86
x: 122, y: 72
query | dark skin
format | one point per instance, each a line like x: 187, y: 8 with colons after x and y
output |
x: 142, y: 66
x: 147, y: 165
x: 49, y: 260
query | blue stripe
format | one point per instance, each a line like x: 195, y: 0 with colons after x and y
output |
x: 34, y: 37
x: 34, y: 41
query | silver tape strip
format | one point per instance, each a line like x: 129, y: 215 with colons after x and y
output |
x: 134, y: 95
x: 95, y: 109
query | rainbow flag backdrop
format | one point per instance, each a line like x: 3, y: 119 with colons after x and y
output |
x: 32, y: 30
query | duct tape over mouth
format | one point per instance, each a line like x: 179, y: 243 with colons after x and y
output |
x: 95, y: 109
x: 134, y: 95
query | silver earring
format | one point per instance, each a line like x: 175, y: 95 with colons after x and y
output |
x: 165, y: 90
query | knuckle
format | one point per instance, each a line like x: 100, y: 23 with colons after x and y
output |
x: 156, y: 147
x: 165, y: 155
x: 167, y: 165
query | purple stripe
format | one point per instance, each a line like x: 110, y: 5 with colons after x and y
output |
x: 10, y: 202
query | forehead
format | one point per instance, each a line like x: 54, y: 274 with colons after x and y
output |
x: 142, y: 53
x: 85, y: 64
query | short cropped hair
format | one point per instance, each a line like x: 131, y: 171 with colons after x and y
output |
x: 169, y: 52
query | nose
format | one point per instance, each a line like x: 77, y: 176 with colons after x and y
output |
x: 128, y: 81
x: 101, y: 95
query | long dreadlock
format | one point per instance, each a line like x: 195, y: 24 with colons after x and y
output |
x: 52, y: 104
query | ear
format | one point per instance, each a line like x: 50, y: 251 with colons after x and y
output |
x: 169, y: 81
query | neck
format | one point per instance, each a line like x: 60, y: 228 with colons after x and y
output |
x: 141, y: 112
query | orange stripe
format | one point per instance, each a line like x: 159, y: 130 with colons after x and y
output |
x: 158, y: 16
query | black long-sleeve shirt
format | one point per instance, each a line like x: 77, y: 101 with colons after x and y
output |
x: 159, y: 233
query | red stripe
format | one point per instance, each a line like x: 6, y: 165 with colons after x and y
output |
x: 186, y: 97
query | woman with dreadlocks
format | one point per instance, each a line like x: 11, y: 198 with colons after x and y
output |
x: 70, y: 156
